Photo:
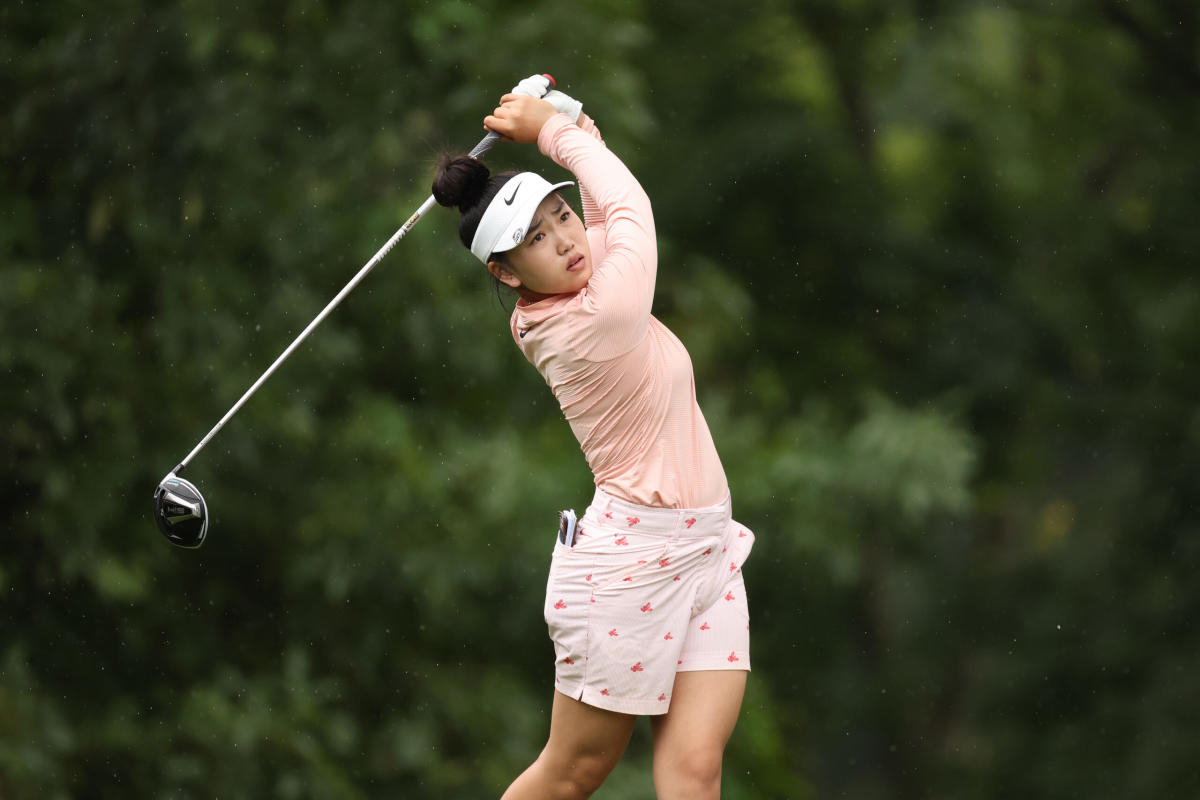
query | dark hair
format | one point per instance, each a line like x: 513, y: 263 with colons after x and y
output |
x: 466, y: 183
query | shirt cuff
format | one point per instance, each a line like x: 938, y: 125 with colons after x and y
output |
x: 550, y: 129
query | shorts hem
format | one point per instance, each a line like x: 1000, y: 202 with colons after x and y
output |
x: 621, y: 705
x: 714, y: 661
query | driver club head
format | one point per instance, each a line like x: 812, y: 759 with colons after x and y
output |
x: 180, y: 511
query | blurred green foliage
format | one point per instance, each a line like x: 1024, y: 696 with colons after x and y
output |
x: 934, y: 264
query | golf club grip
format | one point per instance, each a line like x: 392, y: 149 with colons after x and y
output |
x: 484, y: 145
x: 492, y: 137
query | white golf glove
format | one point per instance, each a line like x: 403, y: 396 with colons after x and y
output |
x: 536, y: 86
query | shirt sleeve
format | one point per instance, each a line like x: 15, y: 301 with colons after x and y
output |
x: 593, y: 217
x: 620, y: 293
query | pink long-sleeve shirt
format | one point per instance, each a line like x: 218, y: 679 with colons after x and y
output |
x: 623, y: 380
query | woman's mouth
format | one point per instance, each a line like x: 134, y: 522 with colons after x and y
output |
x: 575, y: 263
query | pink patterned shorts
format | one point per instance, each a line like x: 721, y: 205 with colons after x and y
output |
x: 645, y: 593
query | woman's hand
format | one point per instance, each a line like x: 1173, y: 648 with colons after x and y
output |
x: 519, y: 118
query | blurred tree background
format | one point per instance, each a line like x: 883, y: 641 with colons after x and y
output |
x: 934, y: 263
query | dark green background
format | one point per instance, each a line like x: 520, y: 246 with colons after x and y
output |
x: 935, y: 265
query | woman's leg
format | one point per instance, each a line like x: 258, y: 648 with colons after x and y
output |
x: 689, y: 740
x: 585, y: 744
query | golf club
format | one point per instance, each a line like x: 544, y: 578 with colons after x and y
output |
x: 179, y: 508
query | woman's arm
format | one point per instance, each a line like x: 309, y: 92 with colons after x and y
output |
x: 592, y: 215
x: 621, y: 290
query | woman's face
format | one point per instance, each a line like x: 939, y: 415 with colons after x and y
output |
x: 553, y: 258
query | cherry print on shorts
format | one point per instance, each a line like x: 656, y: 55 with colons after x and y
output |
x: 732, y: 566
x: 604, y: 692
x: 568, y: 660
x: 646, y: 609
x: 637, y: 667
x: 729, y: 595
x: 622, y: 540
x: 741, y: 534
x: 690, y: 522
x: 668, y: 637
x: 664, y: 562
x: 707, y: 552
x: 662, y: 697
x: 632, y: 521
x: 733, y: 658
x: 705, y: 627
x: 608, y: 515
x: 613, y: 632
x: 560, y: 605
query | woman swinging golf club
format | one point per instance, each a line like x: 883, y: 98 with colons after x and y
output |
x: 645, y: 601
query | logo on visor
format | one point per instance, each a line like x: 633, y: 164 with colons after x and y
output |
x: 509, y: 201
x: 518, y: 235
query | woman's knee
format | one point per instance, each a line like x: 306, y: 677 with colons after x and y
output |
x: 699, y: 767
x: 577, y: 776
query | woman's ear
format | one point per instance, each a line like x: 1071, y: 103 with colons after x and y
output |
x: 504, y: 274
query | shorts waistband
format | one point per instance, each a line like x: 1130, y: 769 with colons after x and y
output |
x: 704, y: 521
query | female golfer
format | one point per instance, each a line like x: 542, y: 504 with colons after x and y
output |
x: 645, y: 601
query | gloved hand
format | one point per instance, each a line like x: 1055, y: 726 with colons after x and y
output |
x: 564, y: 103
x: 536, y: 86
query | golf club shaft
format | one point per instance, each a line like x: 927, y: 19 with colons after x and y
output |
x: 484, y: 145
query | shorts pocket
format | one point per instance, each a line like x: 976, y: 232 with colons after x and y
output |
x: 561, y: 549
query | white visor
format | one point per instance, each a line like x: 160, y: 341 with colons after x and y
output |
x: 503, y: 225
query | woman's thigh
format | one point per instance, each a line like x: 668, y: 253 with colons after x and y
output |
x: 690, y: 739
x: 585, y: 744
x: 579, y: 731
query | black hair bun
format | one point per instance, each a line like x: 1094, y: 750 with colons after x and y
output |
x: 460, y: 181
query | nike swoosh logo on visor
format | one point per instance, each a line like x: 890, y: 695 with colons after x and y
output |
x: 509, y: 201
